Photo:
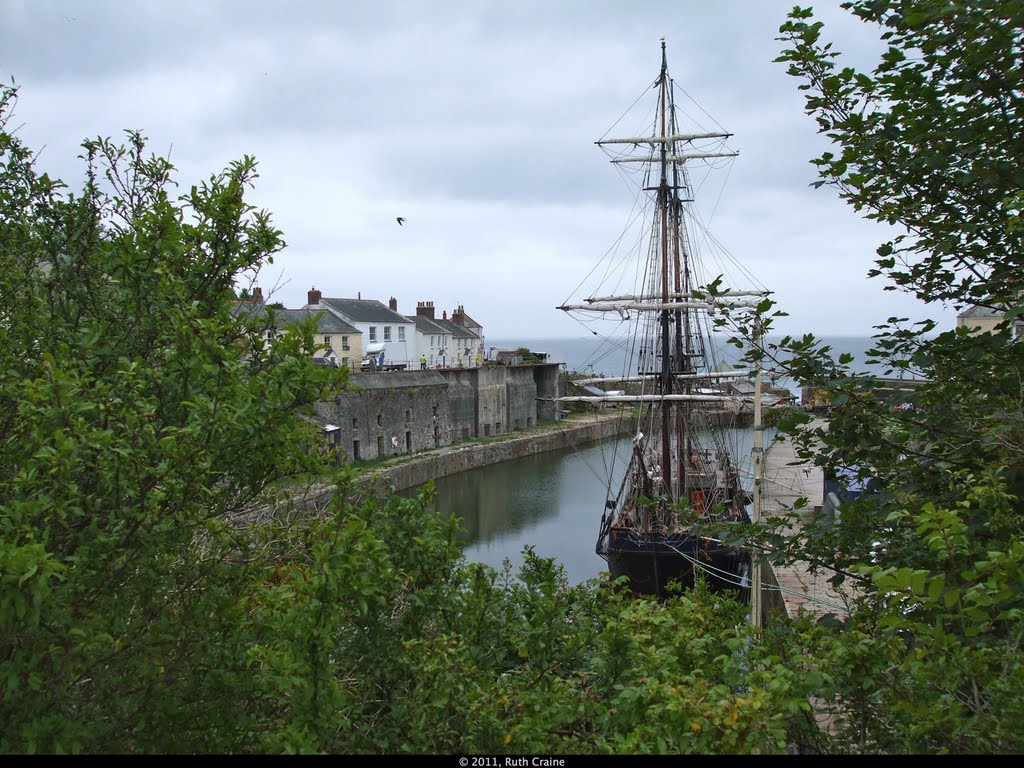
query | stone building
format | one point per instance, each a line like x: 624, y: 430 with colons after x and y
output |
x: 403, y: 412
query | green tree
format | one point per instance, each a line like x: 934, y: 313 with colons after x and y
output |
x: 142, y: 422
x: 931, y: 143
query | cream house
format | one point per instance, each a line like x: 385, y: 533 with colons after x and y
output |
x: 377, y: 325
x: 338, y: 343
x: 985, y: 319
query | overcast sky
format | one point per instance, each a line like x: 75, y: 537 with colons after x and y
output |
x: 473, y: 120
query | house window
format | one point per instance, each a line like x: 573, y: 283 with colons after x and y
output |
x: 401, y: 333
x: 327, y: 341
x: 344, y: 362
x: 270, y: 335
x: 373, y: 333
x: 432, y: 341
x: 344, y: 343
x: 387, y: 333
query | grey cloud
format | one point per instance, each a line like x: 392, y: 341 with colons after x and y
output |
x: 476, y: 119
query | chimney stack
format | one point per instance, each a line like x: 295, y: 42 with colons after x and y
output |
x: 444, y: 315
x: 458, y: 316
x: 257, y: 294
x: 313, y: 297
x: 393, y: 303
x: 425, y: 309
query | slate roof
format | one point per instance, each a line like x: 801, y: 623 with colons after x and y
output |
x: 426, y: 325
x: 246, y: 308
x: 456, y: 330
x: 328, y: 323
x: 976, y: 311
x: 365, y: 311
x: 469, y: 320
x: 742, y: 386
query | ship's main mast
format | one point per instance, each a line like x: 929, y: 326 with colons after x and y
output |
x: 671, y: 297
x: 665, y: 379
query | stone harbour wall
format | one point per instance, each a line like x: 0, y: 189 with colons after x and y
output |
x: 450, y: 461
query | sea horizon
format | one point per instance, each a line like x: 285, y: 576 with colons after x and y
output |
x: 601, y: 357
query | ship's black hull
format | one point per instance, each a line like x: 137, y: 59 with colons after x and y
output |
x: 653, y: 563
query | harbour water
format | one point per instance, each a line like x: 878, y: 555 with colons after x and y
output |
x: 551, y: 502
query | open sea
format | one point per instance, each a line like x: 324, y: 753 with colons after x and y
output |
x: 596, y: 356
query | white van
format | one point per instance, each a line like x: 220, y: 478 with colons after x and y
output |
x: 385, y: 356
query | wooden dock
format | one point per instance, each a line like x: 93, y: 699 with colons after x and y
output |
x: 793, y: 588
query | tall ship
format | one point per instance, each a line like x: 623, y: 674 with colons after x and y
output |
x: 668, y: 513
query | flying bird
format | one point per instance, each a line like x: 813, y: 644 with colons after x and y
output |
x: 400, y: 220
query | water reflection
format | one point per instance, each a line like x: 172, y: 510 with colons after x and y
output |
x: 551, y: 501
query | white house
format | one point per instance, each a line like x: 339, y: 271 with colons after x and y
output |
x: 468, y: 336
x: 378, y: 325
x: 433, y: 340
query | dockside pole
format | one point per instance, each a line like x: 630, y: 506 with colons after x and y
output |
x: 755, y: 563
